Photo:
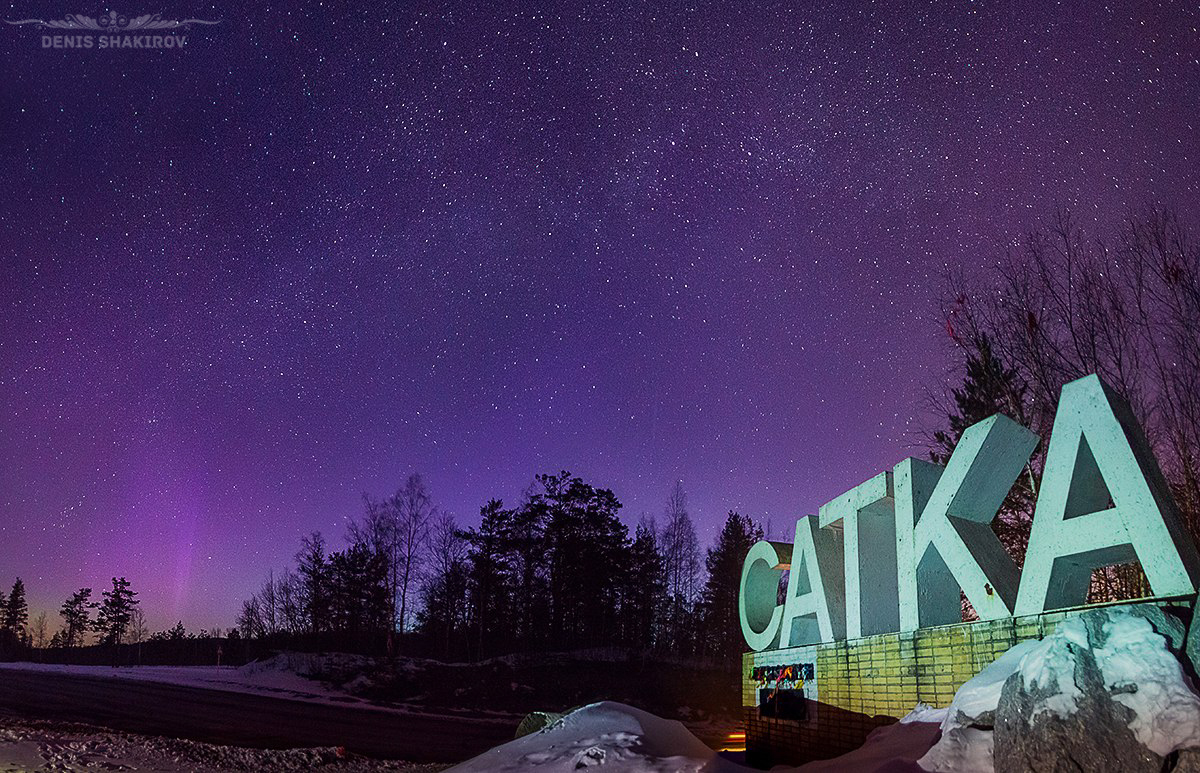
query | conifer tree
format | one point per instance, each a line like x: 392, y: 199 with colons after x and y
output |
x: 645, y: 588
x: 719, y: 600
x: 115, y: 612
x: 490, y: 580
x: 16, y: 610
x: 313, y: 569
x: 76, y: 617
x: 989, y: 387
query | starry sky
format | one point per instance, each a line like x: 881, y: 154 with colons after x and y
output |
x: 243, y: 283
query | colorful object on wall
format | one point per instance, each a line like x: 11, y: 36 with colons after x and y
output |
x: 790, y: 674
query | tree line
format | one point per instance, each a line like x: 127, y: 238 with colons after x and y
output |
x: 115, y: 619
x: 559, y: 570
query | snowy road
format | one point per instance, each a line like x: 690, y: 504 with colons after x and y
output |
x: 247, y: 719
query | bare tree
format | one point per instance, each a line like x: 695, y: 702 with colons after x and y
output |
x: 444, y: 586
x: 268, y: 601
x: 681, y: 565
x: 249, y: 620
x: 1064, y: 305
x: 38, y: 631
x: 288, y: 596
x: 377, y: 530
x: 415, y: 514
x: 399, y: 529
x: 138, y: 631
x: 447, y: 548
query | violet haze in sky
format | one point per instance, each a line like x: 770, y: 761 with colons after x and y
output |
x: 243, y: 283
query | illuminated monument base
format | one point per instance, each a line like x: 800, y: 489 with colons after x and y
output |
x: 851, y: 687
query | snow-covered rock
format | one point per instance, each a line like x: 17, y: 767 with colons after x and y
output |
x: 1106, y: 691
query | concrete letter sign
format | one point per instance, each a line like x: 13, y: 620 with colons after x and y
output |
x: 816, y: 608
x: 1103, y: 501
x: 757, y: 609
x: 914, y: 480
x: 868, y: 517
x: 893, y: 553
x: 953, y: 534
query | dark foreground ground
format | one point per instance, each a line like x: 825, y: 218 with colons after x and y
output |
x: 243, y: 719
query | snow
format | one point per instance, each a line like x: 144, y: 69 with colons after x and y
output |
x: 1138, y: 670
x: 924, y: 713
x: 1135, y: 663
x: 622, y: 739
x: 889, y: 749
x: 280, y: 676
x: 1167, y: 709
x: 1051, y: 665
x: 619, y: 737
x: 42, y: 745
x: 960, y: 749
x: 982, y: 694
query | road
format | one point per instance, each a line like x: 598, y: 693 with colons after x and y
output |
x: 247, y: 719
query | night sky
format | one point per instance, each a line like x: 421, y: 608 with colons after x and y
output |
x: 243, y: 283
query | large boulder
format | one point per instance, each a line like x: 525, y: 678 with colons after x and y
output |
x: 1105, y: 692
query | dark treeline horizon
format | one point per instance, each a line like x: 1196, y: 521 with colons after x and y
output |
x: 560, y: 570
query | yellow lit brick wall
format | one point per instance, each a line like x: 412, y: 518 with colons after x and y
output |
x: 865, y: 683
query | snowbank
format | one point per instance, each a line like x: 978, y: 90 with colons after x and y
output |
x: 619, y: 737
x: 623, y: 739
x: 894, y: 748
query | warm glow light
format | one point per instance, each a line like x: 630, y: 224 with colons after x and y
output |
x: 734, y: 742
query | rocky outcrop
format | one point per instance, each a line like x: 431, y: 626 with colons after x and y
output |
x: 1076, y: 706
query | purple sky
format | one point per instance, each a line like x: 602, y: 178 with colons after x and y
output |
x: 243, y: 283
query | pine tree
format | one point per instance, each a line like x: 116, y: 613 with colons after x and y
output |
x: 990, y: 387
x: 490, y: 580
x: 586, y: 549
x: 313, y: 569
x: 115, y: 612
x: 16, y: 610
x: 645, y: 589
x: 722, y: 630
x: 358, y: 591
x: 76, y: 617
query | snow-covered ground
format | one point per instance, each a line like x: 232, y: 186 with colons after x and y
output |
x: 281, y: 676
x: 615, y: 738
x: 34, y: 746
x: 621, y: 739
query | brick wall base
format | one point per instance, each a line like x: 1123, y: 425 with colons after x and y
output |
x: 866, y: 683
